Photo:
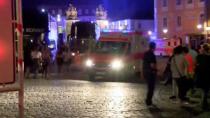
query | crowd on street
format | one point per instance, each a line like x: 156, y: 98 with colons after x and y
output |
x: 40, y: 57
x: 186, y: 70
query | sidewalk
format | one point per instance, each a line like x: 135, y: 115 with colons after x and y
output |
x: 162, y: 97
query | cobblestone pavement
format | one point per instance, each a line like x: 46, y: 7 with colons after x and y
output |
x: 83, y: 99
x: 60, y: 97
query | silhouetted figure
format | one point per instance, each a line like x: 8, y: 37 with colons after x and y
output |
x: 150, y: 72
x: 178, y: 68
x: 46, y: 57
x: 203, y: 73
x: 36, y: 56
x: 59, y: 60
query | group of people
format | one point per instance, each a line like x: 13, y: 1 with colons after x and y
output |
x: 190, y: 69
x: 40, y: 60
x: 187, y: 69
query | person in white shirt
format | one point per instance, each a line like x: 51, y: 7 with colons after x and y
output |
x: 178, y: 68
x: 46, y: 58
x: 67, y: 59
x: 36, y: 56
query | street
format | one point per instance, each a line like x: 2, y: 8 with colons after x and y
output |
x: 62, y: 98
x: 86, y: 58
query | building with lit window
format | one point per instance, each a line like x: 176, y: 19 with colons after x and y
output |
x: 181, y: 19
x: 66, y: 23
x: 138, y: 25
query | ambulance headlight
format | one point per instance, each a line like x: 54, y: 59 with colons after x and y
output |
x: 117, y: 64
x: 89, y: 63
x: 73, y: 54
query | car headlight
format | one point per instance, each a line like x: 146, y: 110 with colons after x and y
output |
x: 89, y: 63
x: 117, y: 64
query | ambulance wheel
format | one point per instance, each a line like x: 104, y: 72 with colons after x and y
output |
x: 131, y: 77
x: 91, y: 77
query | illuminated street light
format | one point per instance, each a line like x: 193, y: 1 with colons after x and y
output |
x: 43, y: 10
x: 165, y: 31
x: 149, y: 33
x: 199, y: 26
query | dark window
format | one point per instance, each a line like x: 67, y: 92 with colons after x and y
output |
x: 189, y: 1
x: 175, y: 43
x: 86, y: 11
x: 79, y: 12
x: 165, y: 3
x: 179, y: 21
x: 201, y: 0
x: 169, y: 43
x: 178, y: 2
x: 165, y: 22
x: 202, y: 18
x: 139, y: 26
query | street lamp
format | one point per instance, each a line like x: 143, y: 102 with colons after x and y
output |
x: 43, y: 10
x: 199, y: 26
x: 149, y: 33
x: 165, y: 31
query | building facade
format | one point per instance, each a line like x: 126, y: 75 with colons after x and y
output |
x: 133, y: 25
x: 179, y: 18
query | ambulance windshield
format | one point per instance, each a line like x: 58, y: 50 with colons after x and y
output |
x: 112, y: 47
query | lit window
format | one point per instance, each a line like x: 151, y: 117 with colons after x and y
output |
x: 165, y: 22
x: 178, y: 2
x: 179, y: 21
x: 165, y: 3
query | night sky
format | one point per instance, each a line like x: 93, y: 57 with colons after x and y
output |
x: 117, y: 9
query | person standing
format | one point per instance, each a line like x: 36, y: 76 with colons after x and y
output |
x: 178, y: 68
x: 46, y: 57
x: 203, y: 74
x: 36, y: 56
x: 27, y: 61
x: 170, y: 78
x: 67, y: 58
x: 59, y: 60
x: 193, y: 53
x: 150, y: 72
x: 190, y: 67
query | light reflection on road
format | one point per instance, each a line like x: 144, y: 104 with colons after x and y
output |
x: 116, y: 97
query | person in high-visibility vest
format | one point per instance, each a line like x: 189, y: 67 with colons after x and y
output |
x: 190, y: 63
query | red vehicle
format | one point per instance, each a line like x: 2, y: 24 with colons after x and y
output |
x: 116, y: 55
x: 165, y: 46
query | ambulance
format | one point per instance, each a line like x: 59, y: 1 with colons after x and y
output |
x: 116, y: 55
